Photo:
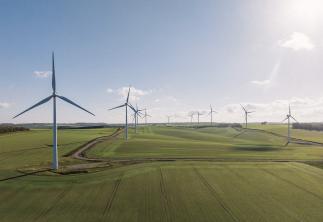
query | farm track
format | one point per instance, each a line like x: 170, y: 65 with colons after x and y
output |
x: 215, y: 194
x: 108, y: 206
x: 261, y: 194
x: 57, y: 199
x: 291, y: 183
x: 165, y: 197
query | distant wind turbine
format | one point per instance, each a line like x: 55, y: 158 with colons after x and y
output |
x: 168, y: 119
x: 288, y: 117
x: 126, y: 105
x: 246, y: 113
x: 145, y: 116
x: 211, y: 113
x: 54, y: 96
x: 198, y: 117
x: 191, y: 115
x: 137, y: 112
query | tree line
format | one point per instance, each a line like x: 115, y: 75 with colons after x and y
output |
x: 308, y: 126
x: 11, y: 129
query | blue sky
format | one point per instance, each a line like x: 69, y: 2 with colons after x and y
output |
x: 180, y: 56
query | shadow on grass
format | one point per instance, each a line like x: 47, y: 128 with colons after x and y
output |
x: 258, y: 148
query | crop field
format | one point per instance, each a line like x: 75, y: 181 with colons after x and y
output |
x: 221, y: 143
x: 190, y: 191
x: 177, y: 174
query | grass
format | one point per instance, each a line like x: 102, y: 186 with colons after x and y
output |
x: 237, y: 189
x: 190, y: 191
x: 34, y: 148
x: 226, y: 143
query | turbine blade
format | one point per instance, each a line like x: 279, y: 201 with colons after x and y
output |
x: 294, y: 118
x: 131, y: 107
x: 74, y: 104
x: 128, y: 95
x: 289, y: 110
x: 285, y: 119
x: 243, y: 108
x: 37, y: 104
x: 117, y: 107
x: 53, y: 74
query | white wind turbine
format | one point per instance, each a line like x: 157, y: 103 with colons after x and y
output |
x: 211, y: 113
x: 246, y: 113
x: 288, y: 117
x: 126, y: 105
x: 137, y: 112
x: 54, y: 96
x: 145, y: 116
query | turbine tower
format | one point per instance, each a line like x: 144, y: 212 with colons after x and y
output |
x: 54, y: 96
x: 246, y: 113
x: 211, y: 113
x: 126, y: 105
x: 288, y: 118
x: 198, y: 117
x: 168, y: 119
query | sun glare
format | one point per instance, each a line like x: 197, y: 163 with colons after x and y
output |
x: 305, y: 10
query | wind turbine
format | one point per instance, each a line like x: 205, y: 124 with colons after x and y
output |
x: 191, y: 115
x: 145, y: 116
x: 54, y: 96
x: 288, y: 116
x: 211, y: 113
x: 246, y: 112
x: 126, y: 105
x: 137, y: 112
x: 168, y: 119
x: 198, y: 117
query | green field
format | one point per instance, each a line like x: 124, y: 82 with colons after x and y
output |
x: 226, y: 176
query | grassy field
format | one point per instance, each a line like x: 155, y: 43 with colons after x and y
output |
x: 34, y: 148
x: 227, y: 143
x: 234, y: 189
x: 190, y: 191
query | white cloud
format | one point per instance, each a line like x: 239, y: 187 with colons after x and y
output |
x: 4, y: 105
x: 42, y: 74
x: 261, y: 83
x: 109, y: 90
x: 297, y: 41
x: 135, y: 94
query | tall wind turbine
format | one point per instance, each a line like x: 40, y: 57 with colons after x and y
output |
x: 288, y: 117
x: 211, y: 113
x: 246, y: 113
x: 126, y: 105
x: 54, y: 96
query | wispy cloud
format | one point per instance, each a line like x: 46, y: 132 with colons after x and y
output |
x: 267, y: 82
x: 109, y: 90
x: 4, y: 105
x: 135, y: 94
x: 42, y: 74
x: 297, y: 41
